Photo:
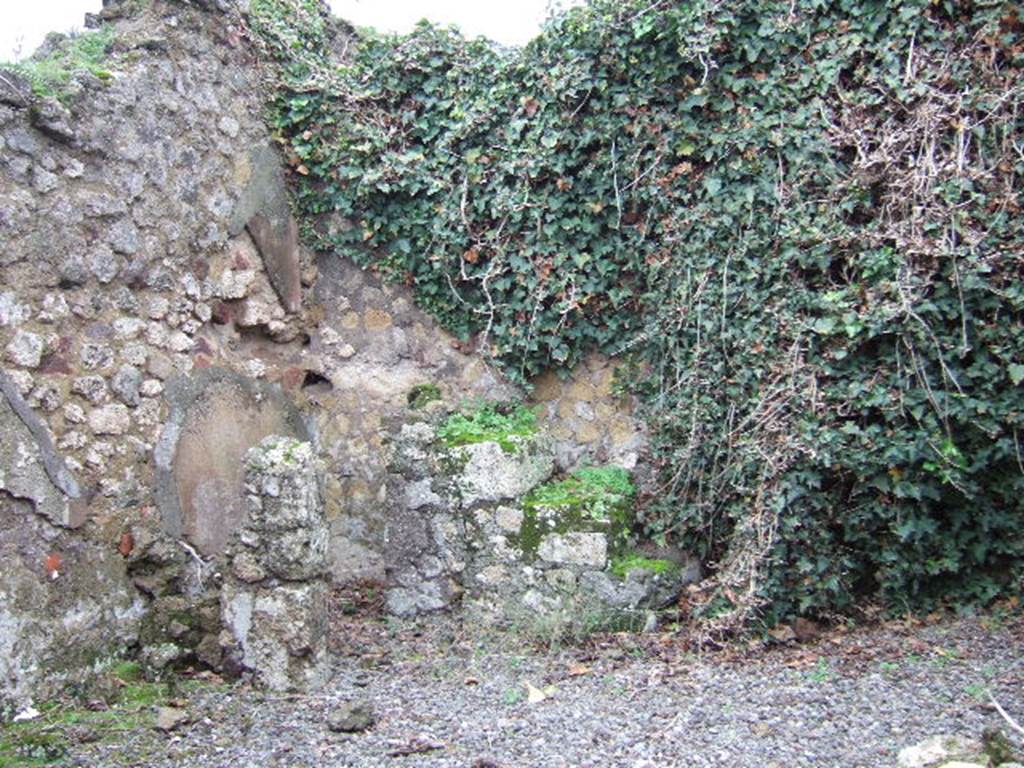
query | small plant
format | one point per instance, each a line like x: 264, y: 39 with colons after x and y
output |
x: 633, y: 561
x: 594, y: 498
x: 977, y: 691
x: 822, y: 672
x: 422, y: 395
x: 505, y: 424
x: 888, y: 667
x: 513, y: 696
x: 86, y: 53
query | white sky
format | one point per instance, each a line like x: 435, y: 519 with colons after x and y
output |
x: 24, y: 24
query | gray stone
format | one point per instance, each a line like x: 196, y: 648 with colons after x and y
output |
x: 263, y: 210
x: 12, y: 311
x: 113, y: 419
x: 57, y: 622
x: 489, y: 473
x: 92, y: 388
x: 170, y: 718
x: 124, y: 237
x: 574, y: 548
x: 53, y: 118
x: 126, y: 384
x: 96, y: 356
x: 937, y: 750
x: 30, y: 467
x: 25, y: 349
x: 419, y: 494
x: 406, y: 602
x: 351, y: 717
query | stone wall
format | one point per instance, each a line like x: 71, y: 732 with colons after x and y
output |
x: 159, y: 317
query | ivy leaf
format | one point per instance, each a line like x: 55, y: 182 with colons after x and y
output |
x: 1016, y: 371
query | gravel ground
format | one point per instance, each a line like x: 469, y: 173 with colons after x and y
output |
x: 844, y: 700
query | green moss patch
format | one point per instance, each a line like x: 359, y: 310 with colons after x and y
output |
x: 423, y: 395
x: 507, y: 425
x: 78, y: 54
x: 47, y: 740
x: 590, y: 499
x: 633, y: 561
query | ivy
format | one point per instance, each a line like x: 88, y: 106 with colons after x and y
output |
x: 797, y: 221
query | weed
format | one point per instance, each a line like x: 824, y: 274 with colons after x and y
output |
x: 507, y: 425
x: 592, y: 498
x: 888, y: 667
x: 513, y: 696
x: 422, y: 395
x: 634, y: 561
x: 977, y: 691
x: 822, y: 672
x: 85, y: 53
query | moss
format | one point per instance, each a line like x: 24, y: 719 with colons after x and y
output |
x: 633, y: 561
x: 506, y: 424
x: 77, y: 54
x: 423, y: 395
x: 45, y: 740
x: 590, y: 499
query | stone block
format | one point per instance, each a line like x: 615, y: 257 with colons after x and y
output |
x: 574, y: 548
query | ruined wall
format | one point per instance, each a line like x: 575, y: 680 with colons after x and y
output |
x: 158, y: 318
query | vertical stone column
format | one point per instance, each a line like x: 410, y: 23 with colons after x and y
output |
x: 274, y: 599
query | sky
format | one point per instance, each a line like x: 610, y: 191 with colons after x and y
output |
x: 24, y: 24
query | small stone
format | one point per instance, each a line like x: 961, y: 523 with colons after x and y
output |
x: 104, y: 265
x: 126, y: 384
x: 574, y: 549
x: 12, y: 312
x: 351, y: 717
x: 345, y: 351
x: 247, y: 568
x: 169, y: 718
x: 113, y: 419
x: 228, y: 125
x: 25, y: 349
x: 160, y: 366
x: 509, y: 519
x: 74, y: 414
x: 92, y: 388
x: 124, y: 237
x: 55, y: 307
x: 151, y: 388
x: 157, y: 308
x: 96, y: 355
x: 180, y: 342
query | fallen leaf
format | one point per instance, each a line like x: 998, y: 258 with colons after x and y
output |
x: 472, y: 256
x: 534, y: 695
x: 471, y: 681
x: 576, y: 670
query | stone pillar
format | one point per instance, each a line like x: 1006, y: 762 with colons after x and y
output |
x: 274, y: 599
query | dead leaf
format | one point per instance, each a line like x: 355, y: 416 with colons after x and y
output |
x: 576, y: 670
x: 472, y: 255
x: 534, y: 695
